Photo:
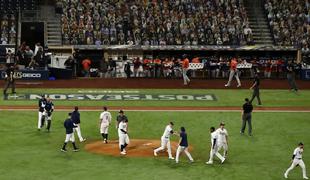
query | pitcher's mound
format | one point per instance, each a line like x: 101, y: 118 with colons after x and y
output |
x: 136, y: 148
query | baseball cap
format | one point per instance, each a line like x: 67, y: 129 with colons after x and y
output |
x: 222, y: 124
x: 121, y: 111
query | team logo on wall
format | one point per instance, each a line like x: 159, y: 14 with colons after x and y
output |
x: 116, y: 97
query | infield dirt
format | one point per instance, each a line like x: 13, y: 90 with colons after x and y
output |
x: 136, y: 148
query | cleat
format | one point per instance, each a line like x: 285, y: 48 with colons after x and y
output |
x: 226, y: 85
x: 209, y: 162
x: 239, y: 85
x: 76, y: 150
x: 123, y: 153
x: 223, y: 161
x: 172, y: 158
x: 155, y: 154
x: 285, y: 176
x: 306, y: 177
x: 83, y: 140
x: 63, y: 150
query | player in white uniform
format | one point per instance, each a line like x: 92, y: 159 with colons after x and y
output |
x: 222, y: 139
x: 105, y: 121
x: 165, y: 141
x: 123, y: 136
x: 297, y: 161
x: 214, y: 147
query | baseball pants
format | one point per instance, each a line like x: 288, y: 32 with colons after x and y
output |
x: 39, y: 120
x: 224, y: 146
x: 69, y: 137
x: 296, y: 162
x: 78, y: 132
x: 215, y: 152
x: 123, y: 139
x: 233, y: 73
x: 180, y: 150
x: 185, y: 77
x: 165, y: 142
x: 104, y: 129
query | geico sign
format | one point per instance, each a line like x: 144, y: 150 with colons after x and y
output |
x: 32, y: 75
x: 20, y: 75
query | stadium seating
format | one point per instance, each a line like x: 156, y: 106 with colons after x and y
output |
x: 143, y: 22
x: 289, y: 21
x: 7, y: 29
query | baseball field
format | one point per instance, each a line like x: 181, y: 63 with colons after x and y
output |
x: 278, y: 125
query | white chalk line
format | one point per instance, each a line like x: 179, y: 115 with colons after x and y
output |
x: 168, y: 110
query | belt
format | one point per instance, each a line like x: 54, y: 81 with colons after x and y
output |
x: 298, y: 158
x: 166, y: 137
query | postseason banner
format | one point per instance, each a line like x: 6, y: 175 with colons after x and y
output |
x: 116, y: 97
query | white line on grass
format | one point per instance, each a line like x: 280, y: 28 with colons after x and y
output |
x: 169, y: 110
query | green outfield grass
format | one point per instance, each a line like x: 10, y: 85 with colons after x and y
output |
x: 29, y: 154
x: 227, y: 97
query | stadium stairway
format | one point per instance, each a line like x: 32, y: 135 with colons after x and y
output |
x: 258, y: 22
x: 53, y: 26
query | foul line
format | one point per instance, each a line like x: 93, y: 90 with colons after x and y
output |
x: 162, y: 110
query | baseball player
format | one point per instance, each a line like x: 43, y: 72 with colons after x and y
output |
x: 123, y: 136
x: 297, y: 161
x: 183, y: 146
x: 121, y: 116
x: 76, y: 121
x: 42, y: 103
x: 165, y: 140
x: 68, y: 124
x: 214, y: 147
x: 185, y: 66
x: 105, y: 121
x: 233, y: 73
x: 222, y: 139
x: 47, y: 113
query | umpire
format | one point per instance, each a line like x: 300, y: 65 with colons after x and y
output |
x: 9, y: 80
x: 255, y: 88
x: 290, y: 76
x: 247, y: 116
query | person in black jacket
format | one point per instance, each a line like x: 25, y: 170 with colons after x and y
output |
x: 247, y: 116
x: 76, y: 121
x: 255, y: 88
x: 68, y: 124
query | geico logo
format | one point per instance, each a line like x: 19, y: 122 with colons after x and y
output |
x: 31, y: 75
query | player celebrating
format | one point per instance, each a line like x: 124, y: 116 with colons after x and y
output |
x: 214, y: 147
x: 123, y: 136
x: 297, y: 161
x: 183, y: 146
x: 68, y: 124
x: 42, y: 103
x: 76, y: 121
x: 233, y: 73
x: 105, y: 121
x: 165, y: 141
x: 222, y: 139
x: 48, y: 109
